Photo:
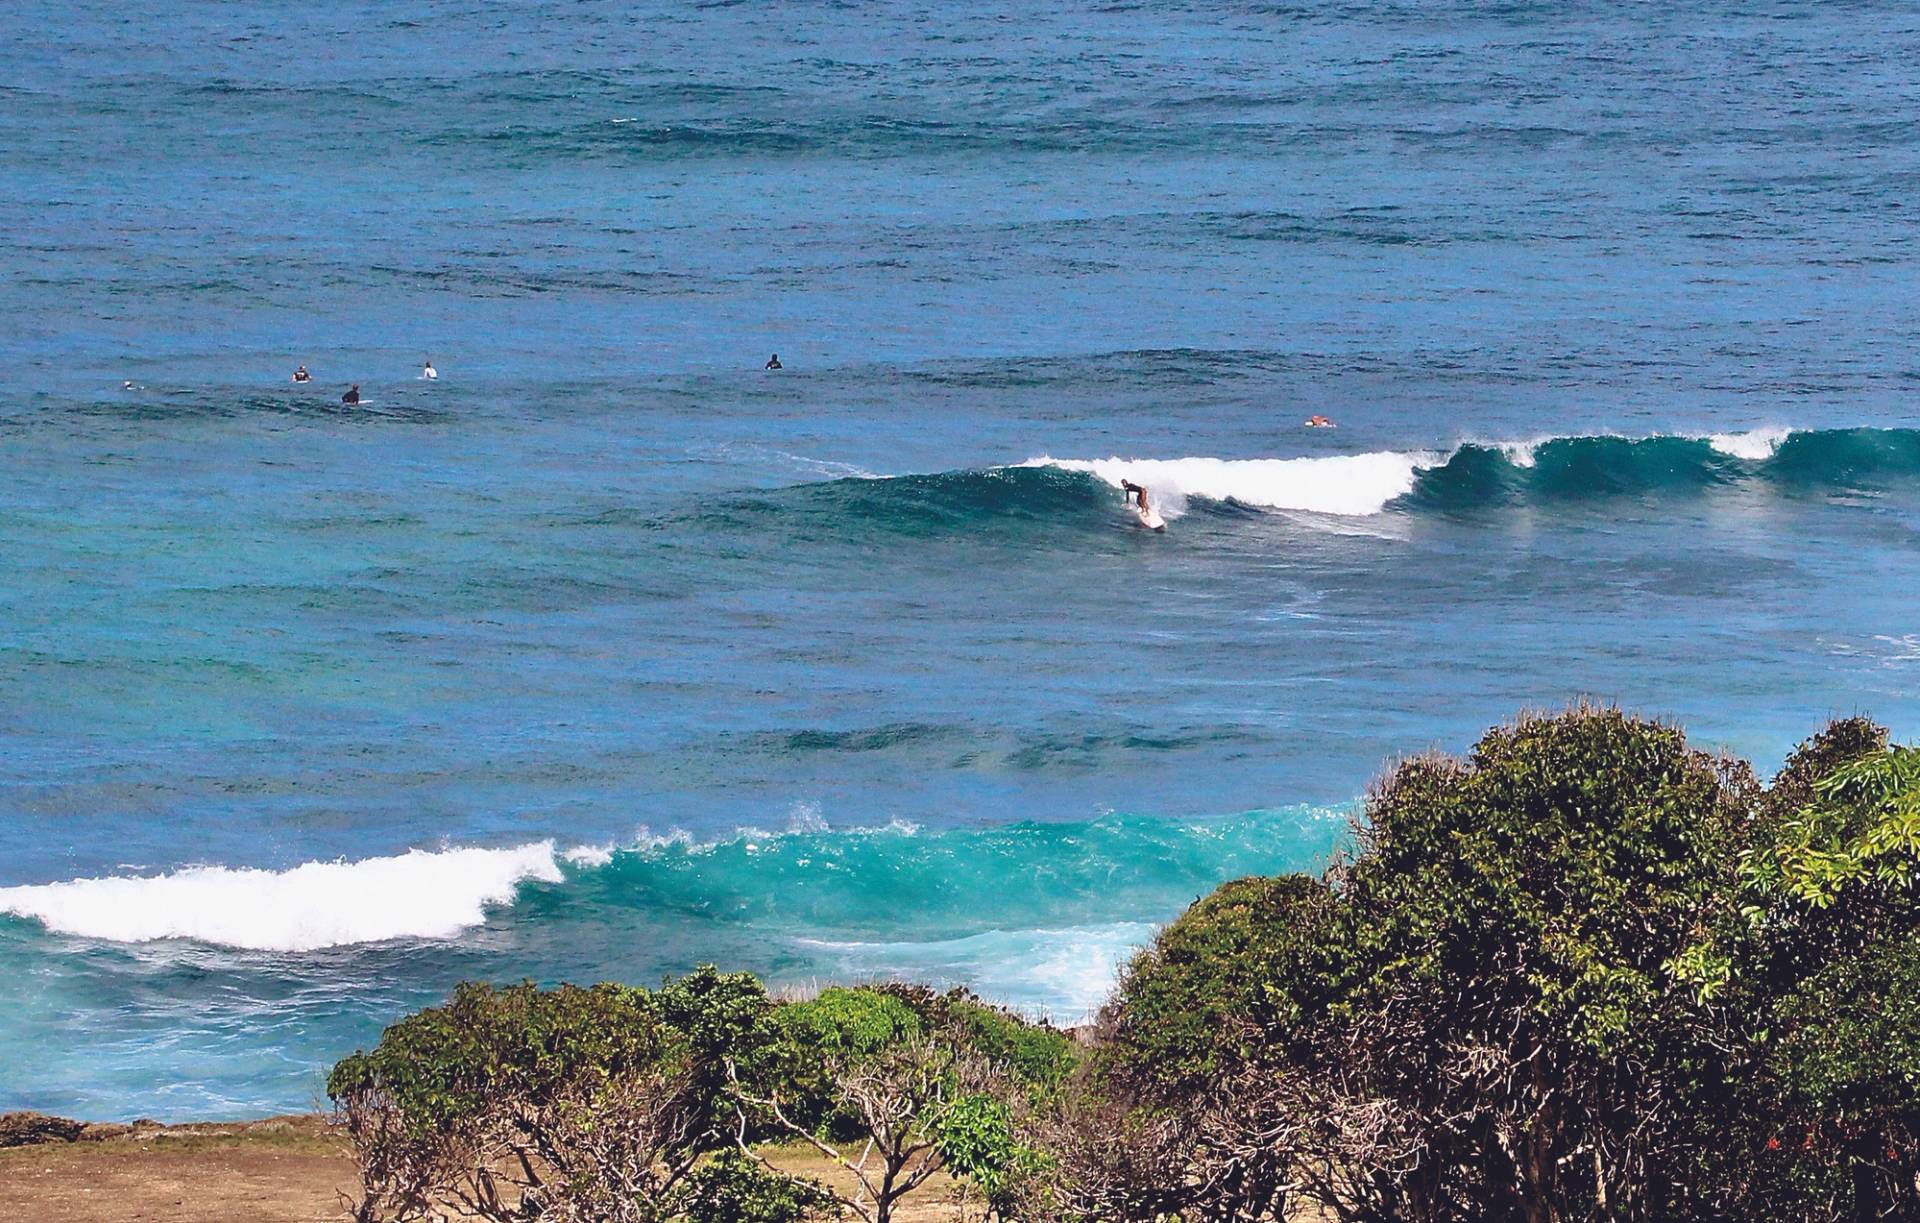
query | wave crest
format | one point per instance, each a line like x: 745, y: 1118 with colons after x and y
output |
x: 1483, y: 474
x: 1352, y: 485
x: 419, y: 894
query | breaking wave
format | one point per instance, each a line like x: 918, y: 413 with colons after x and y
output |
x: 419, y: 894
x: 851, y: 903
x: 1047, y: 492
x: 1341, y: 484
x: 1554, y: 469
x: 1476, y: 474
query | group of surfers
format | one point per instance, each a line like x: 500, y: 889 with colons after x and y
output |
x: 352, y: 395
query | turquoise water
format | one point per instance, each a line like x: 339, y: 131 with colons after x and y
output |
x: 609, y: 652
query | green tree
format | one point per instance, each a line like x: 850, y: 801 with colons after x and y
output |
x: 1829, y: 966
x: 519, y: 1103
x: 1483, y: 1013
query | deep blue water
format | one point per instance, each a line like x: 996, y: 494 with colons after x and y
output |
x: 610, y: 652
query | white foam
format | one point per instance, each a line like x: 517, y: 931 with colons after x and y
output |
x: 589, y: 855
x: 1062, y: 974
x: 418, y: 894
x: 1753, y: 445
x: 1522, y: 454
x: 1353, y: 484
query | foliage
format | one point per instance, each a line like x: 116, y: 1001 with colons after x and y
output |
x: 1478, y: 1015
x: 849, y: 1022
x: 732, y: 1187
x: 1586, y: 972
x: 516, y: 1102
x: 1512, y: 925
x: 1037, y: 1055
x: 1236, y: 966
x: 978, y: 1137
x: 912, y: 1079
x: 616, y: 1103
x: 446, y: 1064
x: 1829, y: 968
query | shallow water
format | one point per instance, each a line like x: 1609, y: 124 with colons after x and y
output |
x: 610, y: 652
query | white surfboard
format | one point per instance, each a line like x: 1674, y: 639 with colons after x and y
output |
x: 1150, y: 518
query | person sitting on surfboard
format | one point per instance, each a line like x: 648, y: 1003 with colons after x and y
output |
x: 428, y: 372
x: 301, y: 375
x: 773, y: 362
x: 352, y: 396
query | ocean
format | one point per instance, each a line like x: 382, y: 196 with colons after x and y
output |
x: 610, y: 652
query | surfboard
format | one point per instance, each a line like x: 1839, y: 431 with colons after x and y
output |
x: 1150, y: 518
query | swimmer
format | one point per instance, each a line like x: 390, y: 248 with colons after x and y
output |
x: 773, y: 362
x: 352, y: 396
x: 301, y: 375
x: 428, y: 372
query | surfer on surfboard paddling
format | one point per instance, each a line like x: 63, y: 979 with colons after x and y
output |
x: 1148, y: 516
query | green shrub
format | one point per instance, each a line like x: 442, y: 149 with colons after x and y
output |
x: 1828, y: 967
x: 849, y: 1022
x: 978, y: 1140
x: 735, y: 1188
x: 566, y: 1104
x: 1241, y: 965
x: 449, y: 1063
x: 1036, y: 1055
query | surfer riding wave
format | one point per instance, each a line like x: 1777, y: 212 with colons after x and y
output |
x: 1148, y: 516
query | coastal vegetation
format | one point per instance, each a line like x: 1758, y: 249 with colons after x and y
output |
x: 1585, y: 972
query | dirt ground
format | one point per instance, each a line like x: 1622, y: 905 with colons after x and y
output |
x: 285, y: 1170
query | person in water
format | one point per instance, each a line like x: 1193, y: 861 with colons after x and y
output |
x: 428, y: 372
x: 301, y: 375
x: 352, y: 396
x: 773, y: 362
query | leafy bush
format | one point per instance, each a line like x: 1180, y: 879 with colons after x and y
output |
x: 922, y: 1082
x: 521, y: 1103
x: 446, y: 1064
x: 623, y: 1104
x: 1216, y: 983
x: 849, y: 1022
x: 1586, y: 972
x: 734, y: 1188
x: 1828, y: 966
